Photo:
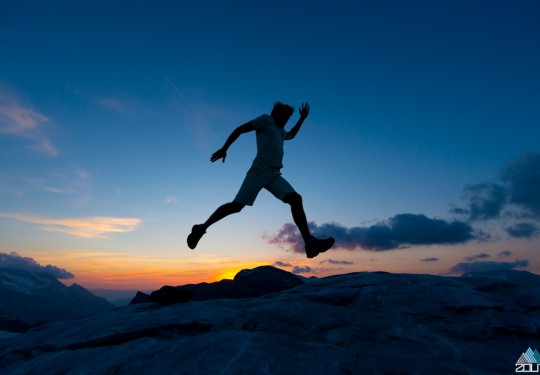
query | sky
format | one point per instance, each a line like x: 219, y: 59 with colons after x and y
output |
x: 420, y: 153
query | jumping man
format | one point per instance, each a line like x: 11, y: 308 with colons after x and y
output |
x: 265, y: 173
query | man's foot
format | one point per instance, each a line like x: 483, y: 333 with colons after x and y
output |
x: 196, y: 233
x: 316, y: 246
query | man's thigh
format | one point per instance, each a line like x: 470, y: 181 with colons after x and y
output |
x: 280, y: 187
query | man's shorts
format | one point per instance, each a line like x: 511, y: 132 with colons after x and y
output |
x: 259, y: 177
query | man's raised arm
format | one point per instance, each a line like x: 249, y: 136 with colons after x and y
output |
x: 304, y: 112
x: 222, y: 152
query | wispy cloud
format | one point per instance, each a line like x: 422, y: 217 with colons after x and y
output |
x: 73, y: 183
x: 430, y: 259
x: 86, y: 227
x: 279, y: 263
x: 475, y: 257
x: 171, y: 200
x: 113, y: 104
x: 22, y: 121
x: 337, y: 262
x: 480, y: 266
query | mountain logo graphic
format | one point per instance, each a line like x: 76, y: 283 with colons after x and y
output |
x: 528, y: 361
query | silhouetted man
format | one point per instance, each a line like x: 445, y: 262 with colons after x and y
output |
x: 265, y: 173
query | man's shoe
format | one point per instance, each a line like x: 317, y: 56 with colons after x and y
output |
x: 196, y: 233
x: 316, y: 246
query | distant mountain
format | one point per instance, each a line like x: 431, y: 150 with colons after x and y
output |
x: 361, y: 323
x: 39, y: 297
x: 117, y: 297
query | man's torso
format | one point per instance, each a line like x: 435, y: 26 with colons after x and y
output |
x: 270, y: 139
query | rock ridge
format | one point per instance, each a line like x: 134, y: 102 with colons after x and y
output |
x: 360, y: 323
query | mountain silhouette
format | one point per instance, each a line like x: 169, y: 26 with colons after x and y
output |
x: 39, y: 297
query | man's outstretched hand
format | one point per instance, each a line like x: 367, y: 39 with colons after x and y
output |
x: 304, y: 110
x: 219, y: 154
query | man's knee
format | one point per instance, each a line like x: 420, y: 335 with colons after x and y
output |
x: 292, y: 198
x: 236, y: 206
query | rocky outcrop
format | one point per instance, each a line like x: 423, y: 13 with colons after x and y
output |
x: 246, y: 284
x: 361, y: 323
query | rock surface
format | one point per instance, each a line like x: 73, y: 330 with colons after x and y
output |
x: 246, y: 284
x: 360, y: 323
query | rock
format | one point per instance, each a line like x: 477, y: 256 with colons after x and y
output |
x: 140, y: 297
x: 246, y: 284
x: 267, y: 279
x: 360, y: 323
x: 168, y: 295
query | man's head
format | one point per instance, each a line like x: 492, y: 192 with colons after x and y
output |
x: 281, y: 113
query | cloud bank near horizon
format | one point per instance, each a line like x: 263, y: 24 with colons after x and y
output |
x: 480, y: 266
x: 398, y: 232
x: 15, y: 261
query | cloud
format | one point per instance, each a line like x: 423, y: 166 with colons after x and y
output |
x: 505, y: 253
x: 113, y: 104
x: 485, y: 201
x: 515, y: 190
x: 476, y: 257
x: 400, y: 231
x: 432, y: 259
x: 523, y: 230
x: 298, y: 269
x: 15, y: 261
x: 521, y: 177
x: 24, y: 122
x: 282, y: 264
x: 338, y: 262
x: 171, y: 200
x: 87, y: 227
x: 479, y: 266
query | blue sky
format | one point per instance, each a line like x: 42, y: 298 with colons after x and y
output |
x: 109, y: 112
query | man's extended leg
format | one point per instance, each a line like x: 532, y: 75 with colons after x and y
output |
x: 314, y: 246
x: 199, y: 230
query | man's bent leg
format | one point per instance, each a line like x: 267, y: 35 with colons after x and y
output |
x: 299, y: 216
x: 199, y: 230
x: 314, y: 246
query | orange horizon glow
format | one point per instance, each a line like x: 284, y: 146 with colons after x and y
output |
x: 151, y: 274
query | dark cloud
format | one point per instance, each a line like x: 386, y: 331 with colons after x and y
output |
x: 298, y: 269
x: 15, y: 261
x: 282, y: 264
x: 400, y: 231
x: 515, y: 192
x: 431, y: 259
x: 523, y: 230
x: 521, y: 177
x: 461, y: 268
x: 485, y: 201
x: 505, y: 253
x: 340, y: 262
x: 476, y: 257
